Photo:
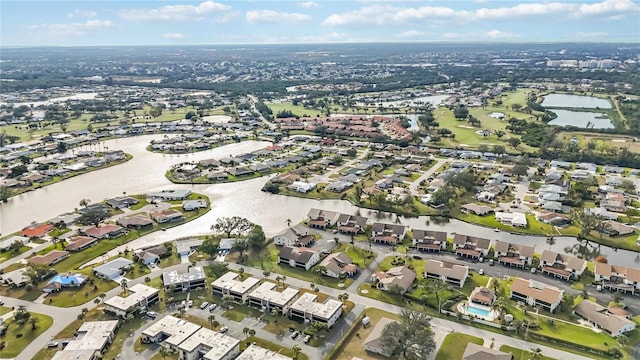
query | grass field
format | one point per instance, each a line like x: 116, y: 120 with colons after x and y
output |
x: 354, y: 345
x: 14, y: 344
x: 296, y: 109
x: 454, y: 345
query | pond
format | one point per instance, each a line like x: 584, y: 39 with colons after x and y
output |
x: 582, y: 119
x: 575, y: 101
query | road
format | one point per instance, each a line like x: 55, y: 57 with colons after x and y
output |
x: 413, y: 187
x: 253, y: 100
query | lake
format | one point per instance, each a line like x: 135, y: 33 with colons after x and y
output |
x: 575, y: 101
x: 581, y: 119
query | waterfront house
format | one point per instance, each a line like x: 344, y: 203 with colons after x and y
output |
x: 563, y: 266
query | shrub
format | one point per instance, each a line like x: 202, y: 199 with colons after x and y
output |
x: 19, y: 335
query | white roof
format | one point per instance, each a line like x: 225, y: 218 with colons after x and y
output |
x: 178, y: 330
x: 6, y: 243
x: 254, y: 352
x: 308, y: 303
x: 92, y: 335
x: 230, y: 282
x: 137, y: 293
x: 266, y: 292
x: 214, y: 344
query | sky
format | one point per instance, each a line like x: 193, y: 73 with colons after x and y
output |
x: 87, y: 23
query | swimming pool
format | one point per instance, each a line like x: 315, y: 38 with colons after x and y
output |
x: 478, y: 311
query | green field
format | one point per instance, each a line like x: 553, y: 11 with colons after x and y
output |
x: 296, y: 109
x: 454, y: 345
x: 14, y: 344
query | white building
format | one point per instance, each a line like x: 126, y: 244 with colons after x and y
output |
x: 309, y: 309
x: 209, y: 345
x: 93, y: 335
x: 513, y: 219
x: 267, y: 298
x: 600, y: 317
x: 254, y: 352
x: 169, y: 331
x: 140, y: 296
x: 301, y: 187
x: 230, y: 284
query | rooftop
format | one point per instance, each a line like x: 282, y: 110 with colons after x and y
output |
x: 137, y: 293
x: 230, y: 282
x: 92, y: 335
x: 215, y: 344
x: 173, y: 277
x: 178, y: 330
x: 308, y: 303
x: 266, y: 291
x: 254, y: 352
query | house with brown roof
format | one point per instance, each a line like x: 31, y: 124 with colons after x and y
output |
x: 351, y: 224
x: 339, y: 264
x: 617, y: 278
x: 300, y: 257
x: 513, y: 254
x: 600, y: 317
x: 389, y: 234
x: 431, y: 241
x: 372, y: 342
x: 105, y: 231
x: 294, y: 236
x: 50, y: 258
x: 322, y: 219
x: 562, y: 266
x: 446, y: 271
x: 614, y: 228
x: 136, y: 221
x: 400, y: 276
x: 79, y: 243
x: 535, y: 293
x: 471, y: 246
x: 479, y: 352
x: 482, y: 296
x: 166, y: 216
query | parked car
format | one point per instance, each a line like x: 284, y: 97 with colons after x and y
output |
x: 490, y: 262
x: 295, y: 334
x: 151, y: 314
x: 204, y: 305
x: 212, y: 307
x: 223, y: 330
x: 307, y: 338
x: 190, y: 304
x: 481, y: 271
x: 52, y: 344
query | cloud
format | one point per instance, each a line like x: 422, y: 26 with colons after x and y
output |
x: 331, y: 37
x: 497, y: 34
x: 226, y: 17
x: 308, y: 4
x: 74, y: 29
x: 275, y: 17
x: 384, y: 15
x: 410, y: 34
x: 175, y: 13
x: 488, y: 35
x: 173, y: 36
x: 82, y: 14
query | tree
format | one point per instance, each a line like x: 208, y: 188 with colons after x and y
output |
x: 5, y: 193
x: 520, y: 170
x: 211, y: 319
x: 411, y: 337
x: 230, y: 225
x: 499, y: 133
x: 124, y: 285
x: 241, y: 245
x: 85, y: 202
x: 209, y: 247
x: 256, y: 238
x: 217, y: 268
x: 537, y: 353
x: 616, y: 297
x: 436, y: 287
x: 586, y: 221
x: 95, y: 217
x: 296, y: 351
x: 514, y: 142
x: 33, y: 321
x: 461, y: 112
x: 550, y: 241
x: 164, y: 351
x: 320, y: 270
x: 252, y: 332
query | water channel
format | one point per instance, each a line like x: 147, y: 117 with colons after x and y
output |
x: 145, y: 173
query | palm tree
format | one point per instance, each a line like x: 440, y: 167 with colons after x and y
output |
x: 252, y: 332
x: 551, y: 241
x: 211, y: 319
x: 33, y: 321
x: 215, y: 324
x: 495, y: 287
x: 245, y: 331
x: 537, y: 353
x: 266, y: 274
x: 164, y: 351
x: 124, y: 285
x: 296, y: 351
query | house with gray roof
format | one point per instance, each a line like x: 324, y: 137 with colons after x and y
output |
x: 194, y: 278
x: 388, y: 233
x: 300, y: 257
x: 113, y: 269
x: 600, y: 317
x: 452, y: 273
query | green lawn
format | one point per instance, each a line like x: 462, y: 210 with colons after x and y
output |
x: 296, y: 109
x: 520, y: 354
x: 14, y: 344
x: 4, y: 310
x: 360, y: 257
x: 454, y: 345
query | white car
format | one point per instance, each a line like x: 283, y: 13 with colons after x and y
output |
x: 190, y: 304
x: 481, y: 271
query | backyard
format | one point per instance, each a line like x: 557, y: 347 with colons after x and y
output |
x: 19, y: 336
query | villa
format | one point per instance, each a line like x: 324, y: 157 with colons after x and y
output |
x: 113, y: 269
x: 372, y: 342
x: 294, y: 236
x: 431, y: 241
x: 471, y: 246
x: 309, y: 309
x: 322, y: 219
x: 601, y: 318
x: 400, y: 277
x: 254, y: 352
x: 166, y: 216
x: 166, y: 195
x: 50, y: 258
x: 105, y: 231
x: 389, y: 234
x: 513, y: 254
x: 79, y: 243
x: 339, y: 264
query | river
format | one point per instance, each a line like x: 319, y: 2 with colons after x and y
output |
x: 145, y: 173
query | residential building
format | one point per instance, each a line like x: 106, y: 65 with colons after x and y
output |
x: 513, y: 219
x: 139, y: 297
x: 471, y: 246
x: 191, y: 205
x: 601, y: 318
x: 113, y: 269
x: 79, y: 243
x: 351, y: 224
x: 178, y: 194
x: 135, y: 221
x: 400, y: 276
x: 37, y: 230
x: 449, y: 272
x: 339, y: 264
x: 122, y: 202
x: 186, y: 246
x: 61, y: 281
x: 617, y: 278
x: 482, y: 296
x: 513, y: 254
x: 194, y: 278
x: 93, y: 335
x: 16, y: 278
x: 300, y: 257
x: 166, y: 216
x: 294, y: 236
x: 50, y: 258
x: 614, y: 228
x: 479, y: 352
x: 562, y: 266
x: 75, y: 355
x: 267, y: 298
x: 309, y: 309
x: 169, y: 331
x: 535, y: 293
x: 207, y: 344
x: 372, y: 342
x: 105, y: 231
x: 231, y: 284
x: 301, y: 187
x: 476, y: 209
x: 390, y: 234
x: 322, y: 219
x: 255, y: 352
x: 429, y: 240
x: 602, y: 213
x: 5, y: 245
